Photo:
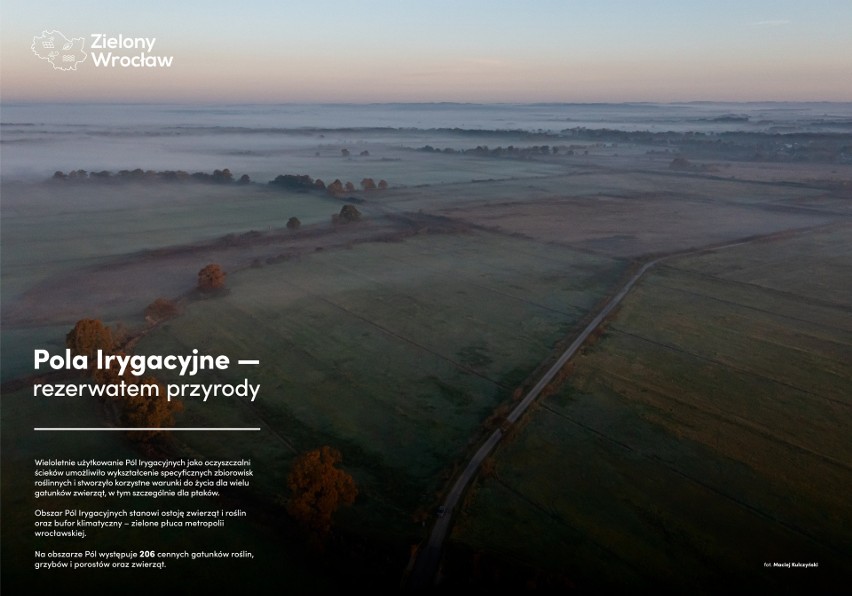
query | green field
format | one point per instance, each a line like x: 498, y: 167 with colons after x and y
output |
x: 393, y: 352
x: 705, y: 434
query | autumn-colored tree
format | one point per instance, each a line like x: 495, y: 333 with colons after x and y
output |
x: 293, y: 223
x: 148, y: 411
x: 349, y: 213
x: 368, y: 184
x: 87, y: 337
x: 335, y: 188
x: 160, y: 310
x: 349, y: 187
x: 211, y: 278
x: 318, y: 488
x: 112, y: 373
x: 383, y: 184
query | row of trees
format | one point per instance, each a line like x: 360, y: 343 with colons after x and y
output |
x: 304, y: 183
x: 317, y: 486
x: 510, y: 151
x: 297, y: 182
x: 348, y: 214
x: 90, y: 335
x: 210, y: 278
x: 139, y: 175
x: 141, y: 411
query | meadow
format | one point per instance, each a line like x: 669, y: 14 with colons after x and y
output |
x: 396, y: 352
x: 702, y: 435
x: 705, y: 433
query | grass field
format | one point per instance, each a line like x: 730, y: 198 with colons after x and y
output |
x: 393, y: 352
x: 705, y: 434
x: 712, y: 414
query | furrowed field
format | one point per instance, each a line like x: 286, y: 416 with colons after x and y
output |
x: 705, y: 434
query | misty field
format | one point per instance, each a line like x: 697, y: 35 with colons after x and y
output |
x: 395, y: 352
x: 705, y: 434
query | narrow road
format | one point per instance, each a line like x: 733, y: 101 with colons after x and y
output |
x: 428, y: 559
x: 426, y: 565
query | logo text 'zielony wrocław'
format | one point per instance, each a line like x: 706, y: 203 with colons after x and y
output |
x: 101, y: 41
x: 113, y: 51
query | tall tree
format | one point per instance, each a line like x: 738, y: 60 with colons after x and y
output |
x: 318, y: 488
x: 87, y: 337
x: 154, y: 411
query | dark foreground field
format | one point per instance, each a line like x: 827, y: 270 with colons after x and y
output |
x: 703, y: 438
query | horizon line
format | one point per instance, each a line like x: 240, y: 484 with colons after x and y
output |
x: 422, y: 103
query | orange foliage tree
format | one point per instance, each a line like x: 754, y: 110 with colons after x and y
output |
x: 335, y: 188
x: 211, y: 278
x: 161, y: 309
x: 87, y: 337
x: 318, y: 488
x: 148, y: 411
x: 143, y: 411
x: 112, y: 374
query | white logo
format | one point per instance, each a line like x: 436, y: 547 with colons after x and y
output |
x: 61, y: 52
x: 124, y: 51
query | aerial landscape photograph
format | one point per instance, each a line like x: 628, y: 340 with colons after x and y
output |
x: 432, y: 297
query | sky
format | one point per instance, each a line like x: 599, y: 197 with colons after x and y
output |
x: 438, y: 50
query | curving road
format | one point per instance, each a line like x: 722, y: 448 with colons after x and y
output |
x: 428, y: 559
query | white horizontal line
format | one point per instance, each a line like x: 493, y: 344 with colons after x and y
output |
x: 136, y: 429
x: 248, y: 361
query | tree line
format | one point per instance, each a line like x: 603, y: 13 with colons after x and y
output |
x: 316, y: 486
x: 296, y: 182
x: 304, y: 183
x: 139, y: 175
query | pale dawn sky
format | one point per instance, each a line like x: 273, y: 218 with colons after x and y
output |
x: 461, y: 50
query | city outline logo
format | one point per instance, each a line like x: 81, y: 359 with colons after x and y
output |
x: 122, y: 51
x: 61, y: 52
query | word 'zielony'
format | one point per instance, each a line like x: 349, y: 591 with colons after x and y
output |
x: 101, y: 41
x: 137, y: 364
